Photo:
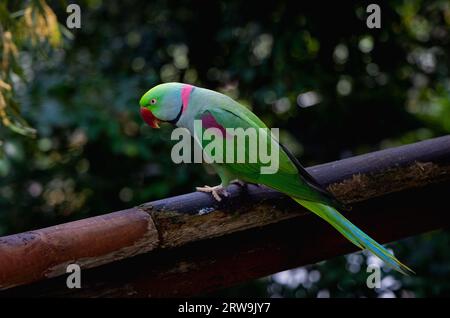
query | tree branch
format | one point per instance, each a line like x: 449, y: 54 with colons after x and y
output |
x: 191, y: 244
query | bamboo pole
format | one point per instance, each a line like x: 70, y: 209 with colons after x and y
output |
x: 191, y: 244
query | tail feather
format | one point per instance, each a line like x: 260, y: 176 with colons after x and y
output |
x: 354, y: 234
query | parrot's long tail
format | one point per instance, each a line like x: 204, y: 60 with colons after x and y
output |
x: 354, y: 234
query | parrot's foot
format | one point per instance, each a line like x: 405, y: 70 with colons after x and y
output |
x: 216, y: 191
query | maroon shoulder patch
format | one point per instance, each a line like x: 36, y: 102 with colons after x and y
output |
x: 208, y: 121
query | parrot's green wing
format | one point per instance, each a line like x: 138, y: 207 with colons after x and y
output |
x: 291, y: 178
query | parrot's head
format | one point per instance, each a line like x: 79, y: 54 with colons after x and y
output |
x: 162, y: 103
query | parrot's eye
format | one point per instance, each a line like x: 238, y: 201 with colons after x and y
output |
x: 153, y: 101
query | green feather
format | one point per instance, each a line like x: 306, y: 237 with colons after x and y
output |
x: 354, y: 234
x: 286, y: 180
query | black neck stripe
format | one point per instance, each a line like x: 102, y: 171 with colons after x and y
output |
x: 176, y: 119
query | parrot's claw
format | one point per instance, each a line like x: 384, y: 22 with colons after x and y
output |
x: 216, y: 191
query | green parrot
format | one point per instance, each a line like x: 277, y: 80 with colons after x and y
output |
x: 182, y: 105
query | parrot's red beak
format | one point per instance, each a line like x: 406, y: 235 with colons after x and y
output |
x: 149, y: 118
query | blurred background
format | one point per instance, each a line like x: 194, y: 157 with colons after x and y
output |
x: 72, y: 144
